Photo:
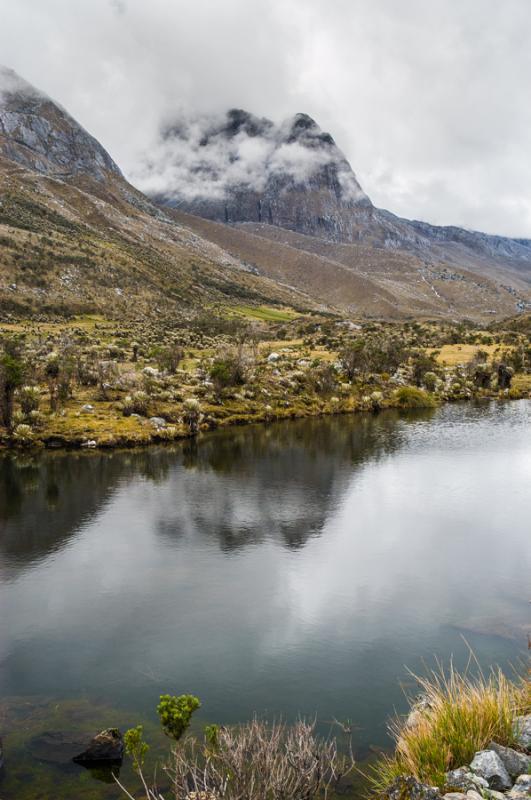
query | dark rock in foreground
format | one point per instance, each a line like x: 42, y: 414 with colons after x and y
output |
x: 105, y: 746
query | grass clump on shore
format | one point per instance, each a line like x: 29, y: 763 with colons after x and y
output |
x: 457, y: 716
x: 413, y: 397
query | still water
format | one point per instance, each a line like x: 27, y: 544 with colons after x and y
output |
x: 297, y: 568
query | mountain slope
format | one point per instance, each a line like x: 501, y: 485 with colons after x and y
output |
x: 243, y: 169
x: 76, y: 236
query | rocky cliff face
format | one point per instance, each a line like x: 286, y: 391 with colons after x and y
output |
x: 242, y: 168
x: 37, y: 133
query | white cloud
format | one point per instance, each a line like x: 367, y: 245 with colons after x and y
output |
x: 427, y: 100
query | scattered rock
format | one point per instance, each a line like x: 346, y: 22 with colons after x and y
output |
x: 158, y: 422
x: 88, y: 408
x: 521, y: 789
x: 488, y: 765
x: 454, y: 796
x: 272, y: 357
x: 410, y: 789
x: 463, y: 778
x: 105, y: 746
x: 473, y: 794
x: 514, y: 762
x: 522, y: 731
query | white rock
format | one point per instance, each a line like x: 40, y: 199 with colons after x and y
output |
x: 488, y: 765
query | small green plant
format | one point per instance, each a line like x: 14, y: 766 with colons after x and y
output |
x: 135, y: 746
x: 212, y: 735
x: 175, y: 713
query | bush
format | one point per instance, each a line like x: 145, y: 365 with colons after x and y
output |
x: 252, y: 761
x: 136, y: 403
x: 413, y: 397
x: 175, y: 713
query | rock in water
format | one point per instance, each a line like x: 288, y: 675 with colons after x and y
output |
x: 522, y: 731
x: 514, y: 762
x: 489, y: 765
x: 105, y: 746
x: 56, y: 747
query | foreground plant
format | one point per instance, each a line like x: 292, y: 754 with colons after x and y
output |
x: 458, y: 715
x: 252, y: 761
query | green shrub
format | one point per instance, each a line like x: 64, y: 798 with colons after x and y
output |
x: 413, y: 397
x: 175, y: 713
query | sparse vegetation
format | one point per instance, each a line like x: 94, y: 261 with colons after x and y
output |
x: 93, y: 378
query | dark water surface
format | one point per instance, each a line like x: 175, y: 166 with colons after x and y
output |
x: 289, y: 569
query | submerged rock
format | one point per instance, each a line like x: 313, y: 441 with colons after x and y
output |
x: 522, y: 731
x: 410, y: 789
x: 56, y: 747
x: 488, y: 765
x: 105, y: 746
x: 514, y: 762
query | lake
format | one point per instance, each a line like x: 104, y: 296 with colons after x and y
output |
x: 296, y: 568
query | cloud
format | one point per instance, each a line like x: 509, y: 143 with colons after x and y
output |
x: 206, y: 156
x: 428, y: 101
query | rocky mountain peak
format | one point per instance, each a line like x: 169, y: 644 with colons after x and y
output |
x: 237, y: 167
x: 40, y: 135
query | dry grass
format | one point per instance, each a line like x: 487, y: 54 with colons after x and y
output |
x: 450, y: 355
x: 461, y: 715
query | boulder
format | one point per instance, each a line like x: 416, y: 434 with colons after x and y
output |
x: 105, y: 746
x: 454, y: 796
x: 521, y: 789
x: 410, y: 789
x: 522, y: 731
x: 462, y: 778
x: 514, y: 762
x: 488, y: 765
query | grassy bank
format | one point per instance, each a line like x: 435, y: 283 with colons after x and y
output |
x: 90, y: 381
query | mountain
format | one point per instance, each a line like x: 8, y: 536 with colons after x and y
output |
x: 75, y: 236
x: 244, y: 170
x: 40, y: 135
x: 240, y: 210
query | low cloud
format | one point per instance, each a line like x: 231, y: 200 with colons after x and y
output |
x: 208, y: 156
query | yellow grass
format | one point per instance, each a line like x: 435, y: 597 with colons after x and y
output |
x: 462, y: 714
x: 450, y: 355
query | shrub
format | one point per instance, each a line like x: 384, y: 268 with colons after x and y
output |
x: 136, y: 403
x: 255, y: 761
x: 175, y: 713
x: 413, y: 397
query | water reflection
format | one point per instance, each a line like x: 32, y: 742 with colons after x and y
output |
x: 293, y: 568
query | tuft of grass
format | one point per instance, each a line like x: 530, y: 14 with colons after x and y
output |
x: 460, y: 715
x: 412, y: 397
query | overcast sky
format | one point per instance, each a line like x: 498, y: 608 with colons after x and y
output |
x: 429, y: 99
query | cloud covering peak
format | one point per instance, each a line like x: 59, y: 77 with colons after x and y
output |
x: 209, y: 156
